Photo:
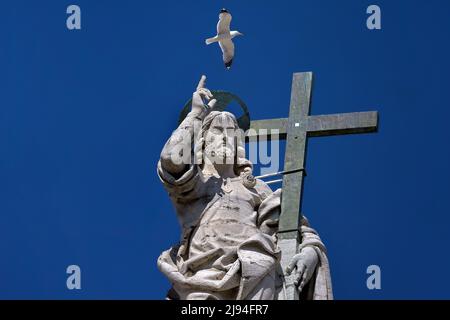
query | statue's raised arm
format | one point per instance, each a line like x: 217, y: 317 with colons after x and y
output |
x: 176, y: 156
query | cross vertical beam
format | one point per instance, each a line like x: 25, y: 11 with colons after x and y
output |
x: 297, y: 128
x: 296, y: 135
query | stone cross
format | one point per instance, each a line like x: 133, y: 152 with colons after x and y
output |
x: 296, y: 129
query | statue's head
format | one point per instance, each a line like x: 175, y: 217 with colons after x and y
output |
x: 221, y: 142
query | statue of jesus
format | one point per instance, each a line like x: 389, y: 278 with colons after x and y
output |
x: 229, y: 219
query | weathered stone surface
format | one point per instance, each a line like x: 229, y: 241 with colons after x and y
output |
x: 229, y: 247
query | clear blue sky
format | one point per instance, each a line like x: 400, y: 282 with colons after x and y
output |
x: 84, y: 115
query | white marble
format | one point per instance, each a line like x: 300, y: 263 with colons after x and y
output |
x: 229, y: 247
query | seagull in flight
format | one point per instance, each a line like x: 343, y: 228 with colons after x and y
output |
x: 224, y: 36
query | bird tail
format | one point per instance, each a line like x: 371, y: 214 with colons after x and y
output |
x: 211, y: 40
x: 228, y: 64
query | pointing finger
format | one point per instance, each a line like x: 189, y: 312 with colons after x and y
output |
x: 202, y: 82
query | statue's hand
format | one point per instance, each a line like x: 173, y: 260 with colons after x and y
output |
x: 202, y: 99
x: 304, y: 264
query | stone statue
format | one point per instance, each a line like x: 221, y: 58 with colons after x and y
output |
x: 229, y: 220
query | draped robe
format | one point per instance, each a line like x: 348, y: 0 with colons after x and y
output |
x: 228, y: 245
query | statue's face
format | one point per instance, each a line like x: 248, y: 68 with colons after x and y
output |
x: 220, y: 142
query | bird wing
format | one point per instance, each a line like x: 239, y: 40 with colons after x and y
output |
x: 223, y: 26
x: 227, y: 47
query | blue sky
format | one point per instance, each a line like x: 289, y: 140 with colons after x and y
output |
x: 84, y: 115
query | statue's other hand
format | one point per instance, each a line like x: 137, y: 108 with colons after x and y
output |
x: 304, y: 264
x: 202, y: 99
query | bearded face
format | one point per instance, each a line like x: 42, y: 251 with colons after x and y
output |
x: 220, y: 140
